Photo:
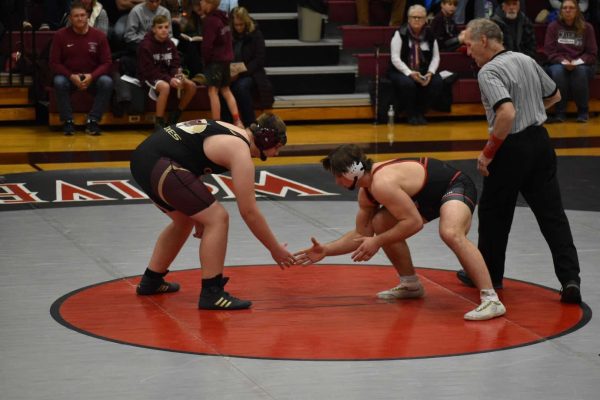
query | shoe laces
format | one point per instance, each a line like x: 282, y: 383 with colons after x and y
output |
x: 485, y: 304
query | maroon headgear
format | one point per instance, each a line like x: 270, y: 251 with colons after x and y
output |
x: 267, y: 136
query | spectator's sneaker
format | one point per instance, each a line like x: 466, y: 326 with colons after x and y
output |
x: 412, y: 120
x: 571, y: 293
x: 583, y: 117
x: 27, y: 25
x: 557, y: 118
x: 421, y: 120
x: 159, y: 123
x: 92, y: 128
x: 148, y: 286
x: 44, y: 27
x: 488, y: 309
x: 403, y: 291
x: 464, y: 278
x: 174, y: 117
x: 69, y: 128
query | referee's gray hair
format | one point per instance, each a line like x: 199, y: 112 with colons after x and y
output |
x: 484, y: 27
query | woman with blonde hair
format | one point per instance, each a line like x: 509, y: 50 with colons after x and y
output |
x: 572, y: 51
x: 249, y: 52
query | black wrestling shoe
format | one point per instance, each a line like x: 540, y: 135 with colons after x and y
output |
x: 148, y: 286
x: 216, y: 298
x: 571, y: 293
x: 464, y: 278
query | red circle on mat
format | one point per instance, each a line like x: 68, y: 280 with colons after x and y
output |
x: 324, y: 312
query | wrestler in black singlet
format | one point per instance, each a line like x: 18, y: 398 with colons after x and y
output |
x: 442, y: 183
x: 178, y: 150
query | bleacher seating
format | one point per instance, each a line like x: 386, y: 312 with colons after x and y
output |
x: 309, y: 81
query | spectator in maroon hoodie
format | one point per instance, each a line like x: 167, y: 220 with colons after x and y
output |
x: 80, y: 59
x: 217, y: 51
x: 159, y: 67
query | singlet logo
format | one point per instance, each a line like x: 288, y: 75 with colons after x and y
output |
x: 172, y: 133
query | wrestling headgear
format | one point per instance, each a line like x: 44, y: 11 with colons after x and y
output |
x: 267, y: 135
x: 354, y: 173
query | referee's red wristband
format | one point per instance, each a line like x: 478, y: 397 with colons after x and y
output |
x: 492, y: 146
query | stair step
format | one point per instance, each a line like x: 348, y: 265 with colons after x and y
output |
x: 299, y: 43
x: 322, y: 100
x: 277, y: 25
x: 310, y: 70
x: 293, y: 52
x: 326, y: 79
x: 261, y: 6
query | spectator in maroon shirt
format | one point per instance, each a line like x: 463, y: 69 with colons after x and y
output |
x: 80, y: 59
x: 159, y: 68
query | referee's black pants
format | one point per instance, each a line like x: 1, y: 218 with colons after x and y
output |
x: 525, y: 163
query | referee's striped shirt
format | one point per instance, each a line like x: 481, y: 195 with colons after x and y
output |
x: 515, y: 77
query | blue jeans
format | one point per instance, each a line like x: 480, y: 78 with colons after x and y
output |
x: 242, y: 91
x: 63, y: 87
x: 574, y: 84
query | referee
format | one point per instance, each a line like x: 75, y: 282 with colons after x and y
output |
x: 518, y: 157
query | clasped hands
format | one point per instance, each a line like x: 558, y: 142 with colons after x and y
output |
x: 81, y: 81
x: 422, y: 80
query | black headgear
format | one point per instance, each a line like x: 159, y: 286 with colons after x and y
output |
x: 266, y: 138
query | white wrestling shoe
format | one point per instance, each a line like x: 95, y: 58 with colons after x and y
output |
x: 488, y: 309
x: 403, y: 291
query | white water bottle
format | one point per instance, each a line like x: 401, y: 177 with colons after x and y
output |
x: 179, y: 76
x: 390, y: 124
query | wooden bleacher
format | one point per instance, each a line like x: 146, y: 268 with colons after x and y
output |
x: 15, y: 103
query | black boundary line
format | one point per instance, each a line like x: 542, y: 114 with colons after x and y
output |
x: 55, y: 313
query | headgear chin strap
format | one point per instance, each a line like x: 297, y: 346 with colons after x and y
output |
x: 354, y: 173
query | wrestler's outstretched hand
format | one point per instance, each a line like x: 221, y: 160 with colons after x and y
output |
x: 312, y: 254
x: 283, y: 257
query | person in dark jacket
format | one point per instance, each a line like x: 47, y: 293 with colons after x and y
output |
x: 516, y: 27
x: 190, y: 45
x: 249, y: 49
x: 217, y: 51
x: 444, y: 28
x: 159, y: 68
x: 415, y: 60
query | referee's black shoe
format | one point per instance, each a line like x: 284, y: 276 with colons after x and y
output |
x: 571, y: 293
x: 464, y: 278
